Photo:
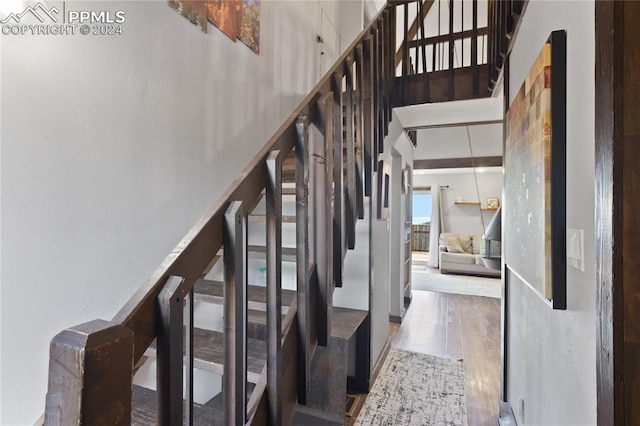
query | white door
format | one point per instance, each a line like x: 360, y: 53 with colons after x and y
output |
x: 329, y: 43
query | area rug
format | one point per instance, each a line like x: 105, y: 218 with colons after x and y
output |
x: 416, y: 389
x: 457, y: 284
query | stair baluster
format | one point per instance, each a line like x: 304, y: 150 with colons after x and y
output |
x: 306, y: 345
x: 350, y: 201
x: 323, y: 219
x: 274, y: 286
x: 169, y: 352
x: 235, y: 315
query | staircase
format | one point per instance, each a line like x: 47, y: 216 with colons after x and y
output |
x: 294, y: 207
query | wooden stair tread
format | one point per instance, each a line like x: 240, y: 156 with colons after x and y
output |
x: 260, y: 252
x: 208, y: 353
x: 346, y: 321
x: 213, y: 291
x: 144, y: 410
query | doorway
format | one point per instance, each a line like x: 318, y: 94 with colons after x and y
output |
x: 421, y: 225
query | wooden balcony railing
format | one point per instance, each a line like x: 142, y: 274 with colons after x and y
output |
x: 91, y: 365
x: 504, y: 17
x: 443, y: 63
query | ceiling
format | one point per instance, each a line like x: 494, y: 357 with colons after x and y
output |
x: 453, y: 142
x: 442, y: 128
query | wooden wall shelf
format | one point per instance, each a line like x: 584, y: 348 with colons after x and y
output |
x: 489, y: 209
x: 468, y: 203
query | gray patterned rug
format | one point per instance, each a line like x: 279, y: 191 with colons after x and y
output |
x: 416, y: 389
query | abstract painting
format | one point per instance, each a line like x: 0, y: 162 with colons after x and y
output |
x: 237, y: 19
x: 226, y: 15
x: 250, y: 28
x: 535, y: 163
x: 194, y: 10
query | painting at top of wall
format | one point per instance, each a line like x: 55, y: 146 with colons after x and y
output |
x: 250, y: 28
x: 226, y: 15
x: 237, y: 19
x: 194, y: 10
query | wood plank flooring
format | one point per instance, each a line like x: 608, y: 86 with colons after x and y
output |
x: 458, y: 326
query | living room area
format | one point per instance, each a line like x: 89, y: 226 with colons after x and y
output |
x: 457, y: 188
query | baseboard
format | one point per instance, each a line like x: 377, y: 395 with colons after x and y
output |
x: 505, y: 415
x: 378, y: 366
x: 398, y: 319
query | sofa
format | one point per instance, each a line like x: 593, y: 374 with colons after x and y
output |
x: 461, y: 254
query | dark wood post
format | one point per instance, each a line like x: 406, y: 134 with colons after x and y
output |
x: 350, y: 196
x: 274, y: 286
x: 302, y: 255
x: 235, y: 315
x: 90, y: 375
x: 338, y: 177
x: 324, y: 220
x: 359, y: 129
x: 169, y: 352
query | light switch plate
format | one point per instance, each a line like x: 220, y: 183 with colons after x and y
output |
x: 575, y: 248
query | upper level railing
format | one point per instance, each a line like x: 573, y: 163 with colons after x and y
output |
x: 91, y: 365
x: 504, y: 17
x: 444, y: 61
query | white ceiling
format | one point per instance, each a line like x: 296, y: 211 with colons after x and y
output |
x: 450, y: 113
x: 453, y: 142
x: 442, y: 128
x: 460, y: 170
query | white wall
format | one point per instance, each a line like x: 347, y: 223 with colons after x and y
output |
x: 112, y: 148
x: 371, y: 8
x: 551, y: 362
x: 402, y: 155
x: 350, y: 21
x: 462, y: 185
x: 354, y: 293
x: 380, y: 274
x: 386, y: 243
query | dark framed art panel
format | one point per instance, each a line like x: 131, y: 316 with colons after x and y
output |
x: 535, y: 176
x: 384, y: 182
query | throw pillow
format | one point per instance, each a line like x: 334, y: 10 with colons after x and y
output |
x: 452, y: 241
x: 478, y: 244
x: 466, y: 243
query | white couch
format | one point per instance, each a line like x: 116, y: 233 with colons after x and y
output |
x: 461, y: 254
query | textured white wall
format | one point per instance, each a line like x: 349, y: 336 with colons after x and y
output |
x: 402, y: 154
x: 386, y: 244
x: 551, y: 362
x: 112, y: 148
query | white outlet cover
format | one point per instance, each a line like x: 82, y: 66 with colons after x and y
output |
x: 575, y: 248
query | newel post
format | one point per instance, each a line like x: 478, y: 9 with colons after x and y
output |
x: 90, y: 375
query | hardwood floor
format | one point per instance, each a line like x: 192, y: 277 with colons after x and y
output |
x: 458, y: 326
